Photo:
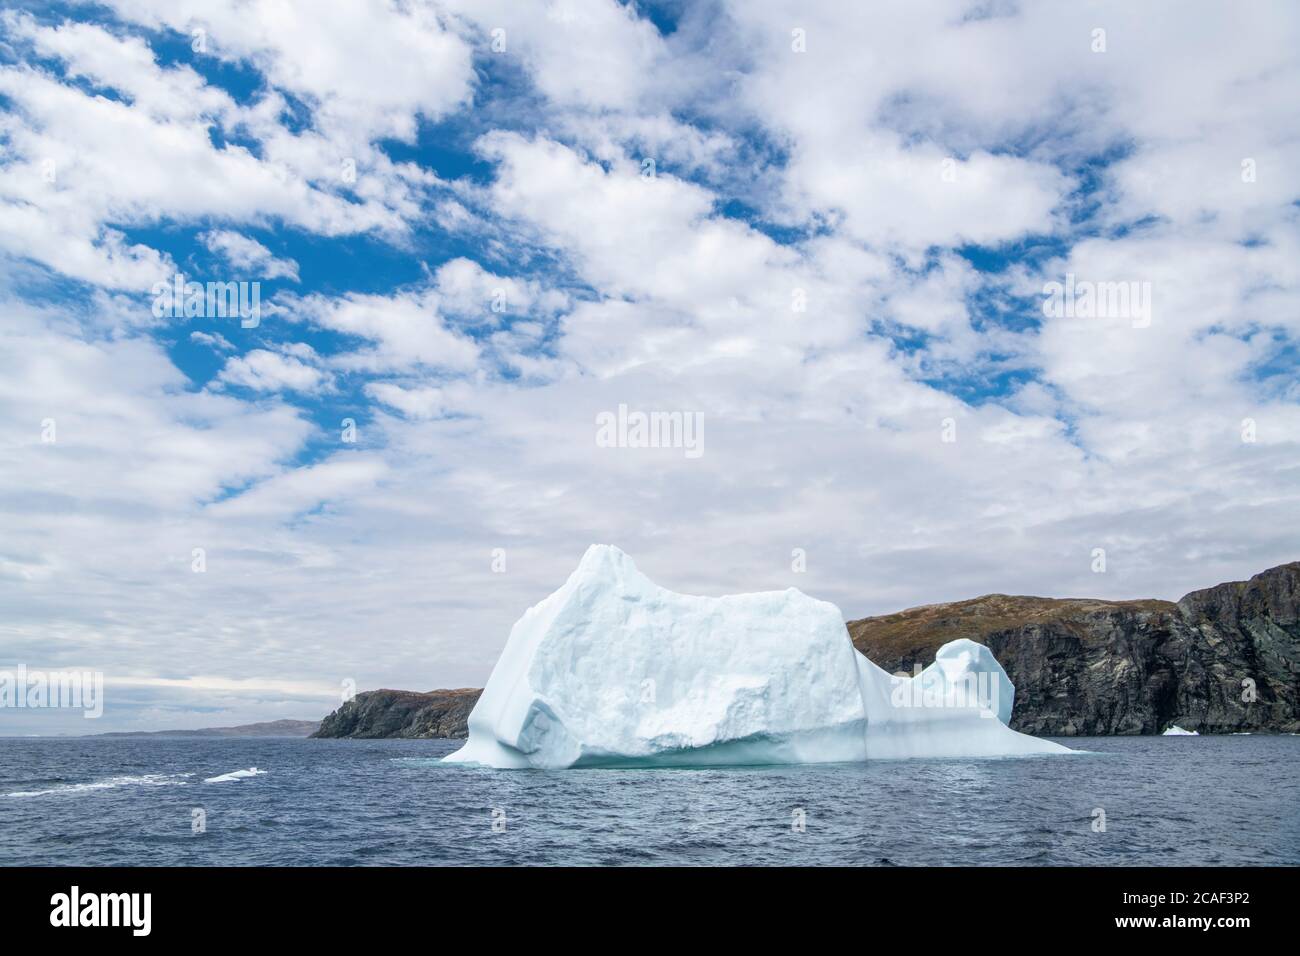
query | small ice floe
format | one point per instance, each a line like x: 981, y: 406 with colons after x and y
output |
x: 1176, y: 731
x: 235, y: 775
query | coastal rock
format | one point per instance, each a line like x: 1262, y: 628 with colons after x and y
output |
x: 402, y: 713
x: 1089, y: 667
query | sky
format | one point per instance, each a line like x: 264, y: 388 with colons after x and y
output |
x: 876, y: 251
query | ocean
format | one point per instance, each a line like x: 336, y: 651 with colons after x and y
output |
x: 178, y: 801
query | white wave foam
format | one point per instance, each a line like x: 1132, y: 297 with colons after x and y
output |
x: 108, y: 783
x: 235, y: 775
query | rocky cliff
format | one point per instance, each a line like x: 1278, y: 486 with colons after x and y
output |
x: 402, y: 713
x: 1222, y: 660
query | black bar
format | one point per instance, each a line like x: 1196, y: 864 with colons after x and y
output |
x: 971, y: 904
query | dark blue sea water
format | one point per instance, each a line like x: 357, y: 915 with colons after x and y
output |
x: 1167, y: 800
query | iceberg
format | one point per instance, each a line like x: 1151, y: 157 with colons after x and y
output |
x: 613, y: 670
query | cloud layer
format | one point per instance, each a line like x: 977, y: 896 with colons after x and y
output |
x: 827, y: 231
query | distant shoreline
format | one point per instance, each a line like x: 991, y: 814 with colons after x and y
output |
x: 268, y: 728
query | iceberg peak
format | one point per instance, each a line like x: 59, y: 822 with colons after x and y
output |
x: 612, y: 669
x: 611, y: 567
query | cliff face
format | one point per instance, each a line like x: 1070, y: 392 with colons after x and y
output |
x: 402, y: 713
x: 1124, y: 667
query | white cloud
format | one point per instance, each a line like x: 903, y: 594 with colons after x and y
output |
x: 423, y: 402
x: 468, y: 290
x: 630, y: 234
x: 297, y: 490
x: 404, y: 330
x: 81, y: 167
x: 583, y: 53
x: 215, y: 341
x: 249, y: 255
x: 367, y: 68
x: 112, y: 163
x: 124, y: 63
x: 266, y: 371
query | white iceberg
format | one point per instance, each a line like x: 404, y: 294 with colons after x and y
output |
x: 1176, y: 731
x: 612, y: 670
